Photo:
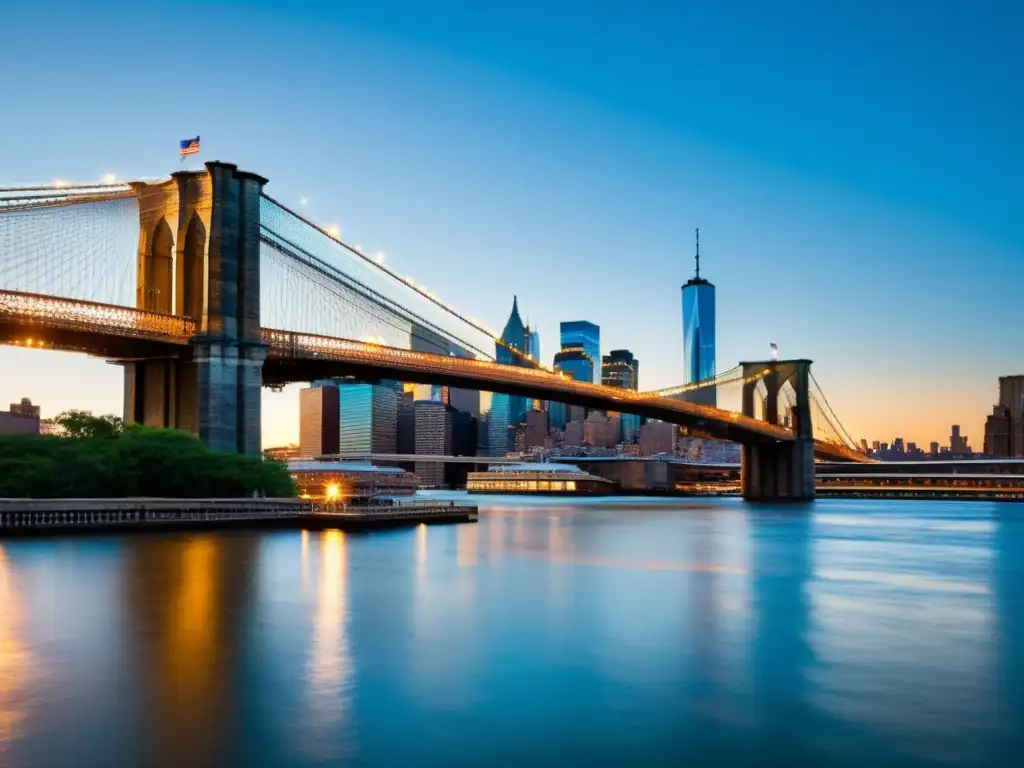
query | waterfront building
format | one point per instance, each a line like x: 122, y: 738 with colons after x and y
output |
x: 1004, y: 429
x: 600, y: 431
x: 433, y: 438
x: 699, y: 332
x: 581, y: 334
x: 405, y: 437
x: 319, y: 421
x: 573, y: 433
x: 562, y: 479
x: 345, y: 481
x: 535, y: 430
x: 369, y: 417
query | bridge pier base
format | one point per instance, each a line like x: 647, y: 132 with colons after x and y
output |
x: 161, y: 393
x: 779, y: 471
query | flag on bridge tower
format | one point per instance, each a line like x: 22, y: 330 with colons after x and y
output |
x: 774, y: 350
x: 189, y: 146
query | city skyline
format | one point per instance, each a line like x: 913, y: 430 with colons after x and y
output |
x: 870, y: 224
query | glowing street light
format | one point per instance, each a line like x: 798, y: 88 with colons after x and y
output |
x: 332, y: 492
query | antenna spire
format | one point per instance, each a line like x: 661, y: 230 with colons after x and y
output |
x: 698, y: 253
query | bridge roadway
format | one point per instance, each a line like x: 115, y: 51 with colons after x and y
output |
x: 125, y: 333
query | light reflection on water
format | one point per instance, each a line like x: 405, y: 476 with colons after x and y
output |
x: 609, y: 632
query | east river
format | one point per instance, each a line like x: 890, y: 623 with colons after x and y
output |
x: 612, y: 632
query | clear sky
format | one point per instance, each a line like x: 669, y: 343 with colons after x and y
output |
x: 855, y: 168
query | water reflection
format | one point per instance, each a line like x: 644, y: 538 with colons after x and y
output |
x: 615, y: 632
x: 15, y: 661
x: 330, y: 667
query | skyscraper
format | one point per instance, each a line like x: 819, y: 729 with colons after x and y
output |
x: 369, y: 417
x: 698, y: 327
x: 586, y: 336
x: 507, y: 410
x: 433, y: 438
x: 318, y: 421
x: 620, y: 369
x: 576, y: 362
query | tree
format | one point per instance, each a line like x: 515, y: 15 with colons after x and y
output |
x: 80, y: 424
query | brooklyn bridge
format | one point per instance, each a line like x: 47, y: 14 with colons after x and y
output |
x: 206, y: 289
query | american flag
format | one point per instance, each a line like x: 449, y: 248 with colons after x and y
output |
x: 189, y: 146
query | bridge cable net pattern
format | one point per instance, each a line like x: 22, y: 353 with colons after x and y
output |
x: 79, y: 248
x: 314, y: 283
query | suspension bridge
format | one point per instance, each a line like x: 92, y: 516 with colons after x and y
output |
x: 205, y: 289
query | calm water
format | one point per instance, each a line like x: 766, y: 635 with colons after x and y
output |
x: 625, y: 632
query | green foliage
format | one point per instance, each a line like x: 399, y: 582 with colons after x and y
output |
x: 83, y: 424
x: 104, y: 460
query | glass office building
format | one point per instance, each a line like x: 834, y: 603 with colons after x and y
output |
x: 369, y: 418
x: 575, y: 362
x: 699, y: 329
x: 507, y: 410
x: 619, y: 368
x: 583, y: 334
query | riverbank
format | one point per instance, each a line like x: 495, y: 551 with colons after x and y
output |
x: 34, y: 517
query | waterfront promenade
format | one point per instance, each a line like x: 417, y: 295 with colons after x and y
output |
x: 53, y: 516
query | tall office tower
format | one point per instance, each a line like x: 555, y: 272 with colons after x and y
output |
x: 532, y: 343
x: 575, y: 362
x: 586, y: 336
x: 699, y: 334
x: 465, y: 400
x: 620, y: 369
x: 318, y: 421
x: 1004, y: 429
x: 369, y: 417
x: 507, y: 410
x: 958, y: 443
x: 433, y: 438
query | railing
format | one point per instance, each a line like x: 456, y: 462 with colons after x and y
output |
x: 290, y: 345
x: 78, y: 315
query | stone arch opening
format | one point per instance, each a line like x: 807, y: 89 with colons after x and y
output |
x: 159, y: 270
x: 193, y: 258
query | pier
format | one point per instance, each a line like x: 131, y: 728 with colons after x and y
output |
x: 49, y: 516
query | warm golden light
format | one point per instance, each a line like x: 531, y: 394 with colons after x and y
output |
x: 334, y: 231
x: 109, y: 178
x: 332, y: 492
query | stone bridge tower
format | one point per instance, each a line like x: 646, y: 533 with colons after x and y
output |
x: 199, y: 257
x: 779, y: 471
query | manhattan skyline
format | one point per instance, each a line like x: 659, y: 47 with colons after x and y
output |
x: 862, y: 217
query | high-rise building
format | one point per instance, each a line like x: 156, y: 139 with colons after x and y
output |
x: 699, y: 329
x: 319, y: 421
x: 581, y: 334
x: 933, y: 449
x: 575, y: 362
x: 369, y: 417
x: 620, y: 369
x: 1004, y: 429
x: 958, y: 443
x: 507, y: 410
x: 433, y: 438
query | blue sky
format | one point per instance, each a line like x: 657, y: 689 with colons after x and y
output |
x: 855, y: 170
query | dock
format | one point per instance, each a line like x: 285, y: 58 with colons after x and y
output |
x: 51, y: 516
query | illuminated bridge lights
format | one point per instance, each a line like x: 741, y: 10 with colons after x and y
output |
x: 75, y: 315
x: 310, y: 346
